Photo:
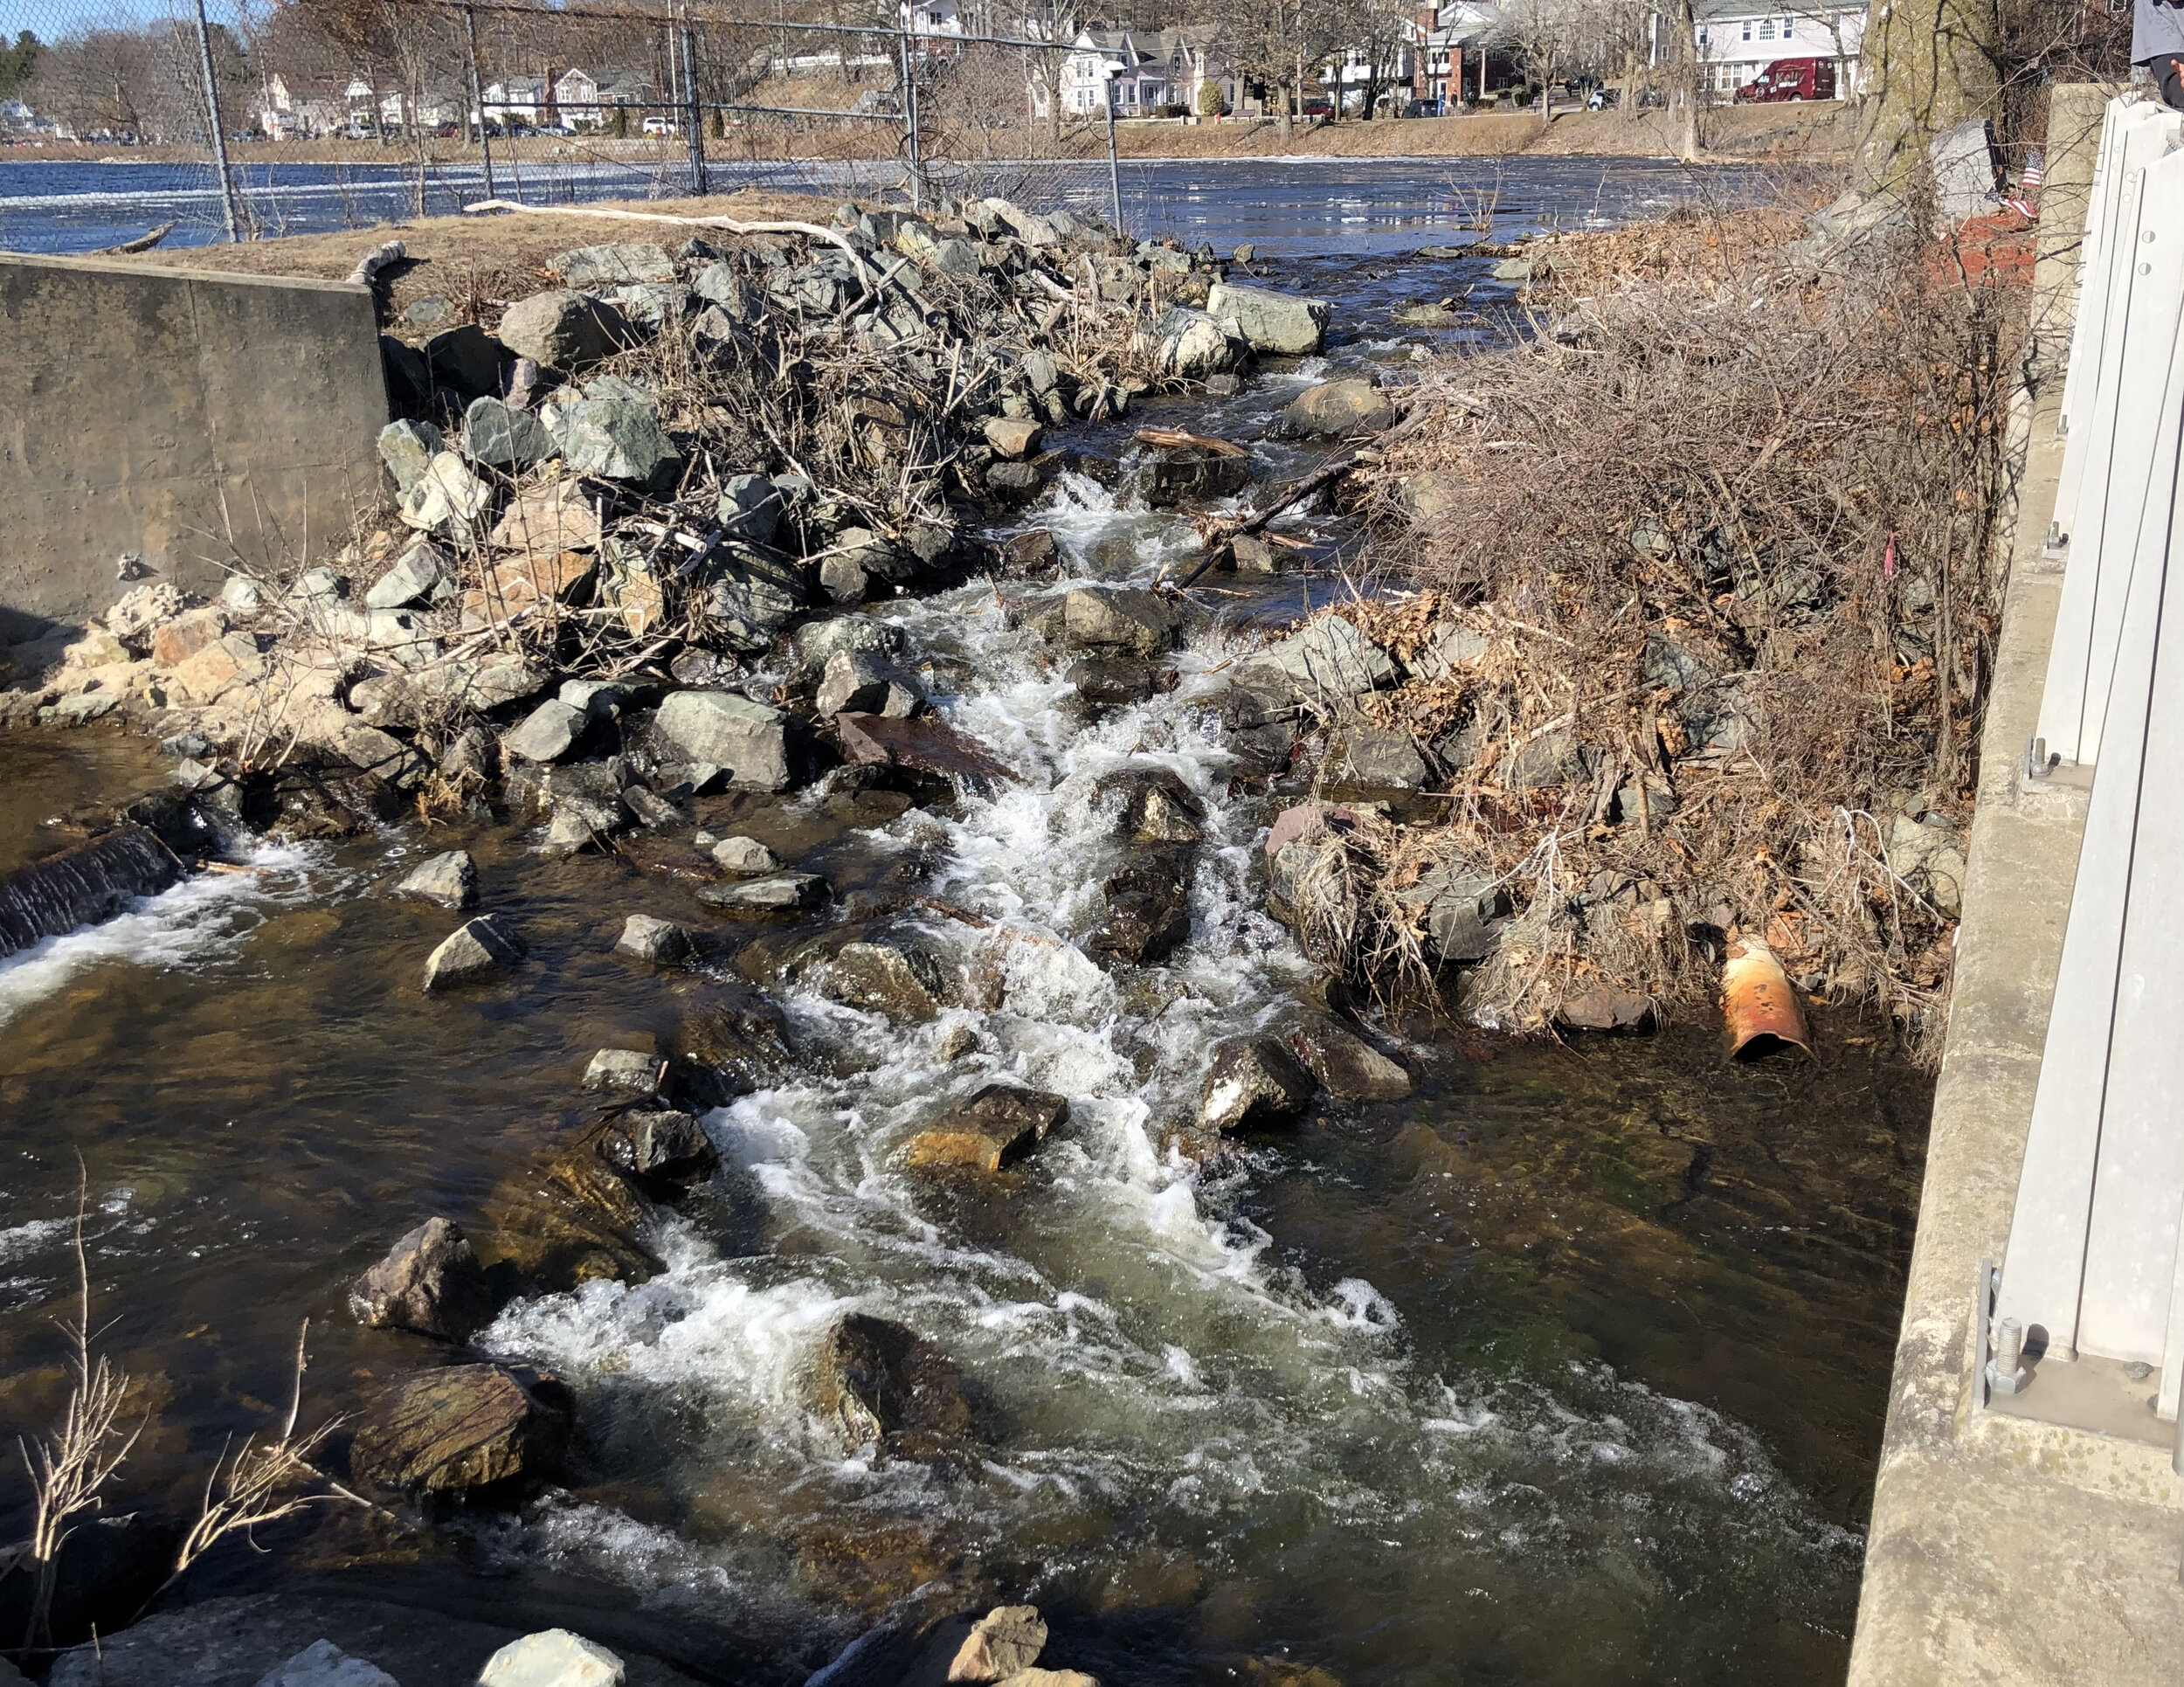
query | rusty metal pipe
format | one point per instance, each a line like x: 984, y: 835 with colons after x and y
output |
x: 1758, y: 1001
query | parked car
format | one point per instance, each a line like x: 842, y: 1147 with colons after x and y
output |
x: 1423, y: 108
x: 1603, y: 99
x: 660, y: 126
x: 448, y: 131
x: 1790, y: 78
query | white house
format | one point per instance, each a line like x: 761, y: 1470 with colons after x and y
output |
x: 515, y: 98
x: 1141, y: 73
x: 287, y: 111
x: 1737, y: 39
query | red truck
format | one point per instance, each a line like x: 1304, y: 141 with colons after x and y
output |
x: 1790, y: 78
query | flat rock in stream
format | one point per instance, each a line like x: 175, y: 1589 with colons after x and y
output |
x: 997, y: 1127
x: 1281, y: 323
x: 864, y: 682
x: 782, y: 893
x: 462, y: 1427
x: 736, y: 1031
x: 882, y: 1382
x: 924, y: 745
x: 1110, y: 681
x: 576, y: 1218
x: 1120, y: 618
x: 1255, y: 1081
x: 479, y: 949
x: 553, y: 1657
x: 430, y: 1282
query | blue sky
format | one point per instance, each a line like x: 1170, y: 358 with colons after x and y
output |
x: 50, y: 19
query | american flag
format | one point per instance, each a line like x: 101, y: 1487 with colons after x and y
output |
x: 2036, y: 170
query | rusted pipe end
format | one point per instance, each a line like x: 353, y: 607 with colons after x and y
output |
x: 1760, y: 1003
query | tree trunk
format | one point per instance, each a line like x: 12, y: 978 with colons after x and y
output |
x: 1932, y: 66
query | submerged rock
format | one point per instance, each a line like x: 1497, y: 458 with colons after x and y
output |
x: 1602, y: 1008
x: 1255, y: 1081
x: 464, y: 1426
x: 430, y: 1282
x: 997, y: 1127
x: 783, y: 893
x: 926, y: 744
x: 1157, y: 807
x: 900, y: 979
x: 478, y: 950
x: 881, y: 1383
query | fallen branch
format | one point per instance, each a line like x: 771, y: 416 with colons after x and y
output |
x: 1176, y: 438
x: 143, y: 242
x: 1220, y: 533
x: 368, y: 266
x: 811, y: 230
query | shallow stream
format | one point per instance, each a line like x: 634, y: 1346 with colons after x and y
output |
x: 1569, y: 1368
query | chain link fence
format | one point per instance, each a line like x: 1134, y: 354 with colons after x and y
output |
x: 208, y: 120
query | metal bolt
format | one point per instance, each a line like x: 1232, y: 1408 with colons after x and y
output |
x: 2006, y: 1371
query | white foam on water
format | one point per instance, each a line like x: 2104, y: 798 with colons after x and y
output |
x: 204, y: 917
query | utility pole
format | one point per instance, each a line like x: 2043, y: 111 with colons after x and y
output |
x: 695, y: 113
x: 478, y: 102
x: 1114, y: 170
x: 219, y: 134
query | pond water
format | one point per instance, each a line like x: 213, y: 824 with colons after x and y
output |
x: 1568, y: 1368
x: 1294, y: 206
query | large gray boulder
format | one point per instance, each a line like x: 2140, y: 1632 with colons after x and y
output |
x: 750, y: 739
x: 613, y: 266
x: 1338, y: 410
x: 613, y: 430
x: 563, y: 329
x: 1192, y: 345
x: 416, y: 575
x: 817, y: 642
x: 1330, y: 659
x: 503, y: 437
x: 1279, y: 323
x: 547, y: 734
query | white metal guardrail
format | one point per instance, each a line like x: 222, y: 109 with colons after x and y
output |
x: 2092, y: 1285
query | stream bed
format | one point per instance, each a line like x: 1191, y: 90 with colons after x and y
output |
x: 1570, y: 1368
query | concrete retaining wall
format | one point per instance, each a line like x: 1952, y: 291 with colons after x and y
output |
x: 199, y: 420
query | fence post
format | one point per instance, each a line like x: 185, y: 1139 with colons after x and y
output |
x: 909, y: 124
x: 219, y: 136
x: 695, y: 116
x: 478, y: 102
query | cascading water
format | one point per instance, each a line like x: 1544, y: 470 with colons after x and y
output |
x: 90, y: 881
x: 1170, y: 1406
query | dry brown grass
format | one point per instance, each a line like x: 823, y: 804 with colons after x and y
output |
x: 1795, y: 484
